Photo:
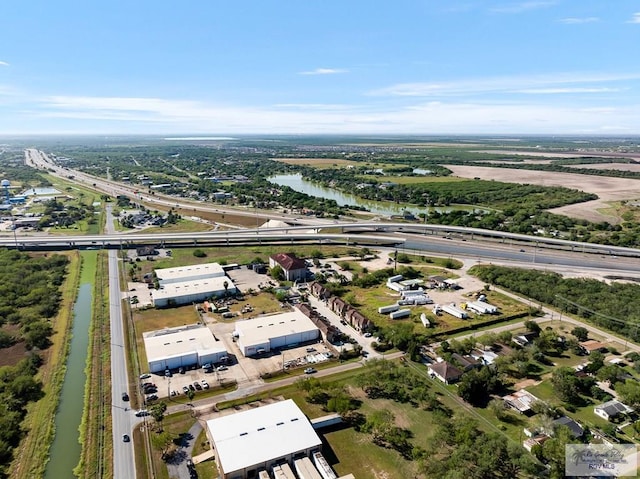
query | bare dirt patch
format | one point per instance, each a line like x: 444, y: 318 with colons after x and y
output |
x: 608, y: 189
x: 525, y: 384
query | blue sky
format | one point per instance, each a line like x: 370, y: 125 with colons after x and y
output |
x: 331, y: 66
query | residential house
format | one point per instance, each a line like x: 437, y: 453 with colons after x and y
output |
x: 576, y: 429
x: 538, y: 440
x: 465, y: 362
x: 487, y: 357
x: 319, y: 291
x: 445, y: 372
x: 338, y: 306
x: 611, y: 409
x: 592, y: 345
x: 524, y: 339
x: 521, y: 401
x: 294, y: 268
x: 358, y: 320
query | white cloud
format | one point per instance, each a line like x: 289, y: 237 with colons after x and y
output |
x: 512, y: 84
x: 551, y: 91
x: 163, y: 116
x: 578, y: 21
x: 323, y: 71
x: 635, y: 18
x: 312, y: 106
x: 3, y: 64
x: 522, y: 7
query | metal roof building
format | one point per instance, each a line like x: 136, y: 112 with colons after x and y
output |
x: 189, y: 273
x: 261, y: 438
x: 186, y: 292
x: 183, y: 346
x: 262, y: 334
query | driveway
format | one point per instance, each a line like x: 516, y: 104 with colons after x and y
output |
x: 177, y: 467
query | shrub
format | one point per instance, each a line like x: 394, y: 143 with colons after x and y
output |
x: 198, y: 253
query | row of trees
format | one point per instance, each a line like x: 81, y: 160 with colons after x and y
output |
x: 612, y: 306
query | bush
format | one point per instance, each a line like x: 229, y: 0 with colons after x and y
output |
x: 198, y: 253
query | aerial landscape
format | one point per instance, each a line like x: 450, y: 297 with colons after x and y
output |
x: 341, y: 240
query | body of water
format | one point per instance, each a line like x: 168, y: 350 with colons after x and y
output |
x: 297, y: 183
x: 64, y: 455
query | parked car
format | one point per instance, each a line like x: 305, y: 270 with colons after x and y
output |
x: 152, y: 397
x: 191, y: 387
x: 198, y: 386
x: 125, y: 396
x: 142, y: 412
x: 145, y: 376
x: 367, y: 335
x: 181, y: 370
x: 205, y: 384
x: 311, y: 350
x: 185, y: 389
x: 310, y: 371
x: 222, y: 368
x: 167, y: 373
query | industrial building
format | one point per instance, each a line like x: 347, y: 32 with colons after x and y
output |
x: 183, y: 346
x: 194, y: 291
x: 194, y: 272
x: 261, y: 335
x: 263, y: 438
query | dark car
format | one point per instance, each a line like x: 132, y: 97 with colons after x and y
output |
x: 126, y: 438
x: 191, y: 387
x: 125, y: 396
x: 198, y: 386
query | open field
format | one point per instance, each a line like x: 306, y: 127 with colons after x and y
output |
x: 608, y: 189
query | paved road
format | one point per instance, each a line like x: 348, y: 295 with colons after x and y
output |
x: 122, y: 418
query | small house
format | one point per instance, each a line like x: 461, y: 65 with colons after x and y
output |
x: 611, y: 409
x: 445, y: 372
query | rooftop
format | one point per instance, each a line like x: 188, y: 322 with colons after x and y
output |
x: 446, y: 370
x: 198, y: 270
x: 289, y: 261
x: 184, y: 288
x: 262, y: 328
x: 258, y: 435
x: 521, y: 400
x: 175, y: 342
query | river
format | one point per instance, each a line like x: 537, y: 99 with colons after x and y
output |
x: 384, y: 208
x: 65, y: 449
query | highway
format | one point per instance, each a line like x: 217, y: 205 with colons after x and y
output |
x: 123, y: 458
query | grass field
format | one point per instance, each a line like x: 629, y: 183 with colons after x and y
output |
x: 153, y: 319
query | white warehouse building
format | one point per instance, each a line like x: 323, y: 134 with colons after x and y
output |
x: 262, y: 334
x: 195, y: 291
x: 194, y: 272
x: 259, y: 439
x: 183, y: 346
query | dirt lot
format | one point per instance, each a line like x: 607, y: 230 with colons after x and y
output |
x: 607, y: 189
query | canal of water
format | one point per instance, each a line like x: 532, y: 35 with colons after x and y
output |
x: 297, y: 183
x: 65, y: 449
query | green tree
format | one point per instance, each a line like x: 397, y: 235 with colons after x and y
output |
x: 581, y: 333
x: 566, y: 384
x: 277, y: 273
x: 629, y: 393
